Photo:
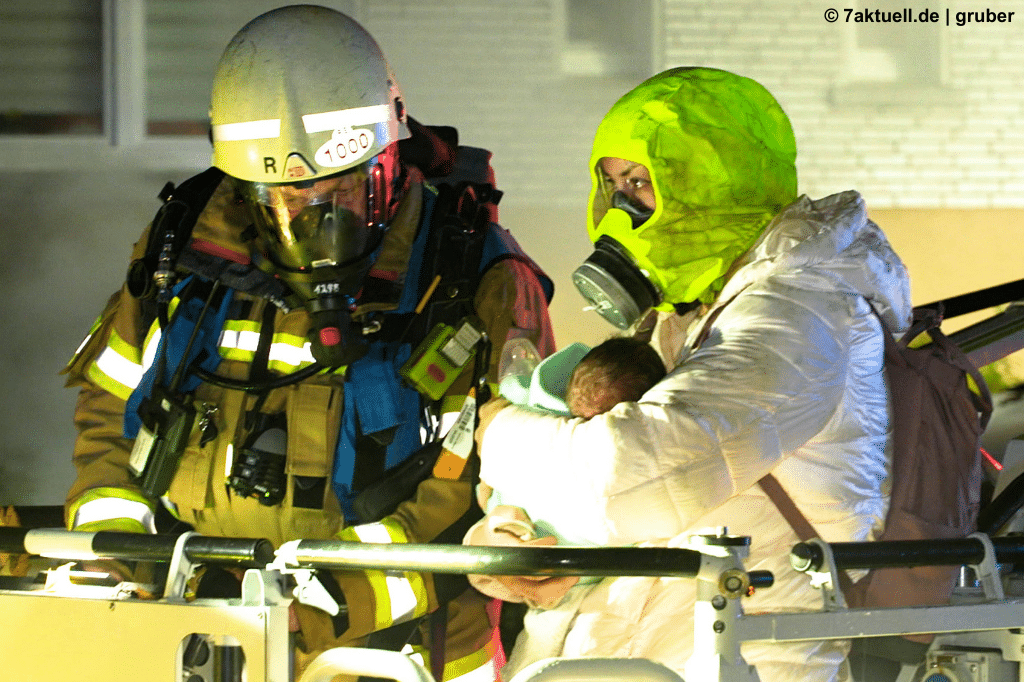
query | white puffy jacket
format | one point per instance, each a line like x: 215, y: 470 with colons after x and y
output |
x: 790, y: 382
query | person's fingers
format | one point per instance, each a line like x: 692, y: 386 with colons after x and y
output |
x: 487, y: 412
x: 540, y: 592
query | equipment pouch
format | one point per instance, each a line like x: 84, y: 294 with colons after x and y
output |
x: 167, y: 421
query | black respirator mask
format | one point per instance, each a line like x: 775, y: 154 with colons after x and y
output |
x: 320, y: 238
x: 609, y: 279
x: 613, y: 285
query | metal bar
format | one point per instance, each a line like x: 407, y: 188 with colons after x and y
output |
x: 906, y: 553
x: 874, y: 622
x: 338, y: 554
x: 993, y: 338
x: 979, y: 300
x: 199, y: 549
x: 545, y: 561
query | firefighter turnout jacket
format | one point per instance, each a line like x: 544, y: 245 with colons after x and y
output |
x: 111, y: 368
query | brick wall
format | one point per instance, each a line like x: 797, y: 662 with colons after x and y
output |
x: 493, y: 69
x: 960, y: 145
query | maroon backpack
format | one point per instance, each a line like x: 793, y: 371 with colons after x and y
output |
x: 938, y: 420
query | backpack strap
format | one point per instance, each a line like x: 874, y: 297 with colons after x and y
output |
x: 928, y: 320
x: 795, y: 518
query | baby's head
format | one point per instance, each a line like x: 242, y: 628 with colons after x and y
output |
x: 619, y: 370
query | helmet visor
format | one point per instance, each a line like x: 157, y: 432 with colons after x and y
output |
x: 314, y: 223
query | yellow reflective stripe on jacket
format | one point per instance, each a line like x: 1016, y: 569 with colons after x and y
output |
x: 240, y: 338
x: 385, y: 532
x: 119, y: 368
x: 478, y: 666
x: 100, y: 505
x: 399, y: 596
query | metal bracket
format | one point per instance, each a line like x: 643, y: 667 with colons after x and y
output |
x: 308, y: 589
x: 59, y: 582
x: 179, y: 571
x: 987, y: 571
x: 827, y: 578
x: 721, y: 583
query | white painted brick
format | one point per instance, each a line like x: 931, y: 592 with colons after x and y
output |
x: 917, y: 199
x: 943, y: 174
x: 1007, y: 201
x: 967, y: 201
x: 969, y: 151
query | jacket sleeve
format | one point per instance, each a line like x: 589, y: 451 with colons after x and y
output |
x: 767, y: 379
x: 103, y: 496
x: 511, y: 303
x: 106, y: 368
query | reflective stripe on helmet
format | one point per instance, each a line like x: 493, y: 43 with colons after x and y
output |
x: 247, y: 130
x: 346, y: 118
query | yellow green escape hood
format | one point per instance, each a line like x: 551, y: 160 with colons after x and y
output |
x: 721, y: 154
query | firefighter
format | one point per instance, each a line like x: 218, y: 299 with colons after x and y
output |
x: 257, y: 374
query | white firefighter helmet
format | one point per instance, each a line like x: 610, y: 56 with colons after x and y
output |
x: 302, y: 92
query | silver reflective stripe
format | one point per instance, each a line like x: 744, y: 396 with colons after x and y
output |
x: 82, y: 345
x: 120, y: 368
x: 345, y: 118
x: 106, y: 508
x: 291, y: 355
x: 373, y: 533
x: 247, y: 130
x: 403, y: 598
x: 149, y: 352
x: 244, y: 340
x: 285, y: 353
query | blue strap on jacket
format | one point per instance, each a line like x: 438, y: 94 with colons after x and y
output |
x: 173, y: 342
x: 376, y: 398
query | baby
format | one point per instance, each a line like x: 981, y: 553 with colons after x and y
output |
x: 619, y: 370
x: 575, y: 382
x: 593, y: 381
